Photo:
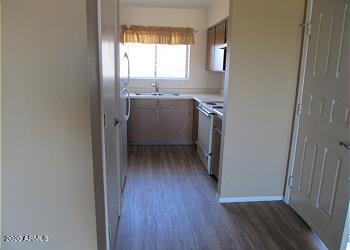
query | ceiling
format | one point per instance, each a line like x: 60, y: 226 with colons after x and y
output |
x: 183, y: 4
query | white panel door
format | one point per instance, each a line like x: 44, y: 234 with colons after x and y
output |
x: 109, y: 69
x: 320, y: 191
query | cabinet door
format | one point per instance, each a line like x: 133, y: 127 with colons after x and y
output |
x: 216, y: 145
x: 175, y: 121
x: 220, y: 34
x: 142, y: 126
x: 211, y: 49
x: 220, y: 41
x: 175, y: 126
x: 195, y: 122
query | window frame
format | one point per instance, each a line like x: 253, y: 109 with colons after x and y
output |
x: 155, y: 77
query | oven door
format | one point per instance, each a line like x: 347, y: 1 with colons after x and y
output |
x: 205, y: 124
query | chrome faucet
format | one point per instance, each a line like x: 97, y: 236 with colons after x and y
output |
x: 155, y: 85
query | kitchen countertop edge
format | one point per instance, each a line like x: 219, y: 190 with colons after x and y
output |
x: 196, y: 97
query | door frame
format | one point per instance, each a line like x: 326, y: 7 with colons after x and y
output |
x: 299, y: 99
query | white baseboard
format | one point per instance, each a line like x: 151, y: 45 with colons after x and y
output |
x: 249, y: 199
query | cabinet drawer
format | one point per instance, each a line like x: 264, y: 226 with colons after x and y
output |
x: 143, y: 103
x: 187, y: 104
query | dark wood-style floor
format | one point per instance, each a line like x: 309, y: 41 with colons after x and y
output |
x: 170, y: 203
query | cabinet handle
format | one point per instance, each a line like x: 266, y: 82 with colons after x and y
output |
x: 203, y: 111
x: 201, y: 148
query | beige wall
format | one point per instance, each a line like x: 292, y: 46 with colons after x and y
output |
x: 260, y: 94
x: 218, y: 11
x: 47, y: 175
x: 200, y: 79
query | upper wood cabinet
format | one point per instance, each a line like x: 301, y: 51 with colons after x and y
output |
x: 220, y: 34
x: 216, y: 47
x: 220, y: 47
x: 211, y: 49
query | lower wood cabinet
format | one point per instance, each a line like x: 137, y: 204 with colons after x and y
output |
x: 142, y: 125
x: 160, y: 122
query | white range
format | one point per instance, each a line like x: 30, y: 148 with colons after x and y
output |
x: 207, y: 111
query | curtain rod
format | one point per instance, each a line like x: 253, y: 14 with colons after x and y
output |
x: 194, y: 30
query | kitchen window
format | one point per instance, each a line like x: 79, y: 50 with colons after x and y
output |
x: 158, y: 61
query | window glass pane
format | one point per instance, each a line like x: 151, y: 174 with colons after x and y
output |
x: 167, y: 61
x: 172, y: 61
x: 142, y: 60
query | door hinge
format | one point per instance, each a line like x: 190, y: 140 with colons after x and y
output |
x: 308, y: 27
x: 300, y: 109
x: 104, y: 120
x: 109, y: 231
x: 290, y: 181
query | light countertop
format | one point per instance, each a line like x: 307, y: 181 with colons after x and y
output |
x: 196, y: 97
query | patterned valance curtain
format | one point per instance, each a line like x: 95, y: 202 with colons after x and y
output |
x: 156, y: 35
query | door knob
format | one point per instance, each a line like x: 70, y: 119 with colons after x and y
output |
x: 117, y: 122
x: 345, y: 145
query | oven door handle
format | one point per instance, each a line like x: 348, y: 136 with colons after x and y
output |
x: 200, y: 109
x: 202, y: 149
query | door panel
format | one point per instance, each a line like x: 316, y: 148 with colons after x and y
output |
x: 320, y: 194
x: 328, y: 182
x: 307, y: 166
x: 108, y: 73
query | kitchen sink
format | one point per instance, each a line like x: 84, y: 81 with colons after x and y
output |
x: 157, y: 94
